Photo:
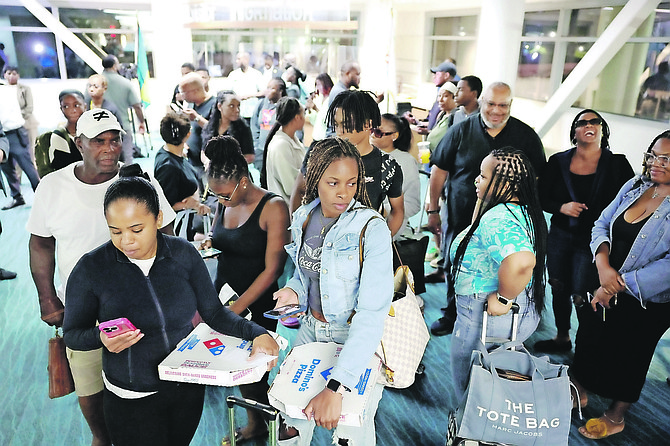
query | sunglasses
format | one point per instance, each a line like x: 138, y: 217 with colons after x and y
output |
x: 378, y: 133
x: 226, y: 197
x: 585, y: 122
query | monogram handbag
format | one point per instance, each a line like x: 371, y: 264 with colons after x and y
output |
x: 60, y: 376
x: 405, y: 332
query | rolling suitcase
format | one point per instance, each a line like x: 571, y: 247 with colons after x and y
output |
x: 452, y: 427
x: 269, y: 413
x: 513, y: 397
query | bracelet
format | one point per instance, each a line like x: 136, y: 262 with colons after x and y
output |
x: 435, y: 211
x: 502, y: 299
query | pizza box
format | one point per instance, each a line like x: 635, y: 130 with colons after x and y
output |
x: 208, y: 357
x: 304, y: 374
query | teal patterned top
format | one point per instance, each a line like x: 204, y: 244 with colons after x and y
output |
x: 502, y: 231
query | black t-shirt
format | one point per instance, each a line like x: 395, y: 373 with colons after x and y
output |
x: 461, y: 151
x: 383, y: 177
x: 195, y: 143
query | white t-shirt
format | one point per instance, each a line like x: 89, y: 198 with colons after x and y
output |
x: 285, y: 157
x: 72, y: 212
x: 246, y: 83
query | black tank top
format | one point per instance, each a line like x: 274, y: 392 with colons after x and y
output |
x: 242, y: 259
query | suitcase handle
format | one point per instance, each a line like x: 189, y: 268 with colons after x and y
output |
x: 515, y: 321
x: 269, y: 413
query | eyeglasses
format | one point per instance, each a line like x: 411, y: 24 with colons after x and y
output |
x: 650, y: 158
x: 378, y: 133
x: 226, y: 197
x: 585, y: 122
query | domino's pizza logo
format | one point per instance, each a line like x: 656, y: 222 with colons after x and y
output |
x: 215, y: 346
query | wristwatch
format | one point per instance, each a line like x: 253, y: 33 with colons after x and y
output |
x: 434, y: 211
x: 502, y: 299
x: 336, y: 387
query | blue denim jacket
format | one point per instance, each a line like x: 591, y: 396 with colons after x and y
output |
x: 345, y: 287
x: 646, y: 267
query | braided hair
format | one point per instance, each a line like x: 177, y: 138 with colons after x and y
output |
x: 359, y: 110
x: 133, y: 184
x: 226, y: 160
x: 513, y: 181
x: 212, y: 127
x: 287, y: 109
x: 604, y: 140
x: 645, y: 168
x: 321, y: 156
x: 174, y: 128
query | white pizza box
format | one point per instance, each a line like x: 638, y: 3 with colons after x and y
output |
x: 208, y: 357
x: 304, y: 374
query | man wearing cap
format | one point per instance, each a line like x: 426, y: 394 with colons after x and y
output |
x: 67, y: 220
x: 456, y: 161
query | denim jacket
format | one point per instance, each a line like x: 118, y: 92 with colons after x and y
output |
x: 646, y: 267
x: 346, y: 287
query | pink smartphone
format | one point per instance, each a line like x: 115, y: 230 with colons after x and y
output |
x: 116, y: 327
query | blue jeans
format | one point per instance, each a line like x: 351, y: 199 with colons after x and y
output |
x: 468, y: 331
x: 313, y: 330
x: 571, y: 271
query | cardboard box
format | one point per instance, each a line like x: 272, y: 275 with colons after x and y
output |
x: 208, y: 357
x: 304, y: 374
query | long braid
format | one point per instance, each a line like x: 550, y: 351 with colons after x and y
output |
x: 513, y: 181
x: 322, y: 155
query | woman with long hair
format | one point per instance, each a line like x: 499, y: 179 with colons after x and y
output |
x: 177, y: 176
x: 225, y: 120
x: 293, y: 77
x: 394, y: 137
x: 631, y: 245
x: 575, y: 188
x: 157, y: 282
x: 498, y: 259
x: 331, y: 281
x: 250, y: 229
x: 283, y: 152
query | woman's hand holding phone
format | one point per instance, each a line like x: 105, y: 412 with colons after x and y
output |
x: 285, y: 296
x: 121, y: 342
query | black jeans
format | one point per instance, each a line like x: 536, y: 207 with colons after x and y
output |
x: 168, y: 417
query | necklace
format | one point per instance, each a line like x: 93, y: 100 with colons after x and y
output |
x: 655, y: 194
x: 325, y: 225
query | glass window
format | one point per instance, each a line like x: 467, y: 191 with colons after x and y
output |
x: 455, y: 26
x: 589, y: 22
x: 534, y: 70
x: 541, y: 23
x: 36, y: 54
x: 89, y: 18
x: 18, y: 16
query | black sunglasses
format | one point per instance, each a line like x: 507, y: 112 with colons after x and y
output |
x: 378, y: 133
x: 585, y: 122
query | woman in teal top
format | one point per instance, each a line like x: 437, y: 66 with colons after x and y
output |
x: 498, y: 259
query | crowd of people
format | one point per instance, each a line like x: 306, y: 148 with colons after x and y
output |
x: 294, y: 236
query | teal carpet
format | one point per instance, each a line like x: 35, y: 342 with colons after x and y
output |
x: 413, y: 416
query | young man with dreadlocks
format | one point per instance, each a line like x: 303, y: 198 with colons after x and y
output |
x: 347, y: 299
x: 355, y: 115
x: 498, y: 259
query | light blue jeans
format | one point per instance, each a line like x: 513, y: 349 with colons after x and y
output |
x: 468, y: 331
x: 313, y: 330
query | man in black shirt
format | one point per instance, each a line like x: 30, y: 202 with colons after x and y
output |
x: 457, y: 159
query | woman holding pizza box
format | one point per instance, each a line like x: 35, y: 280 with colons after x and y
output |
x: 347, y: 298
x: 155, y: 283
